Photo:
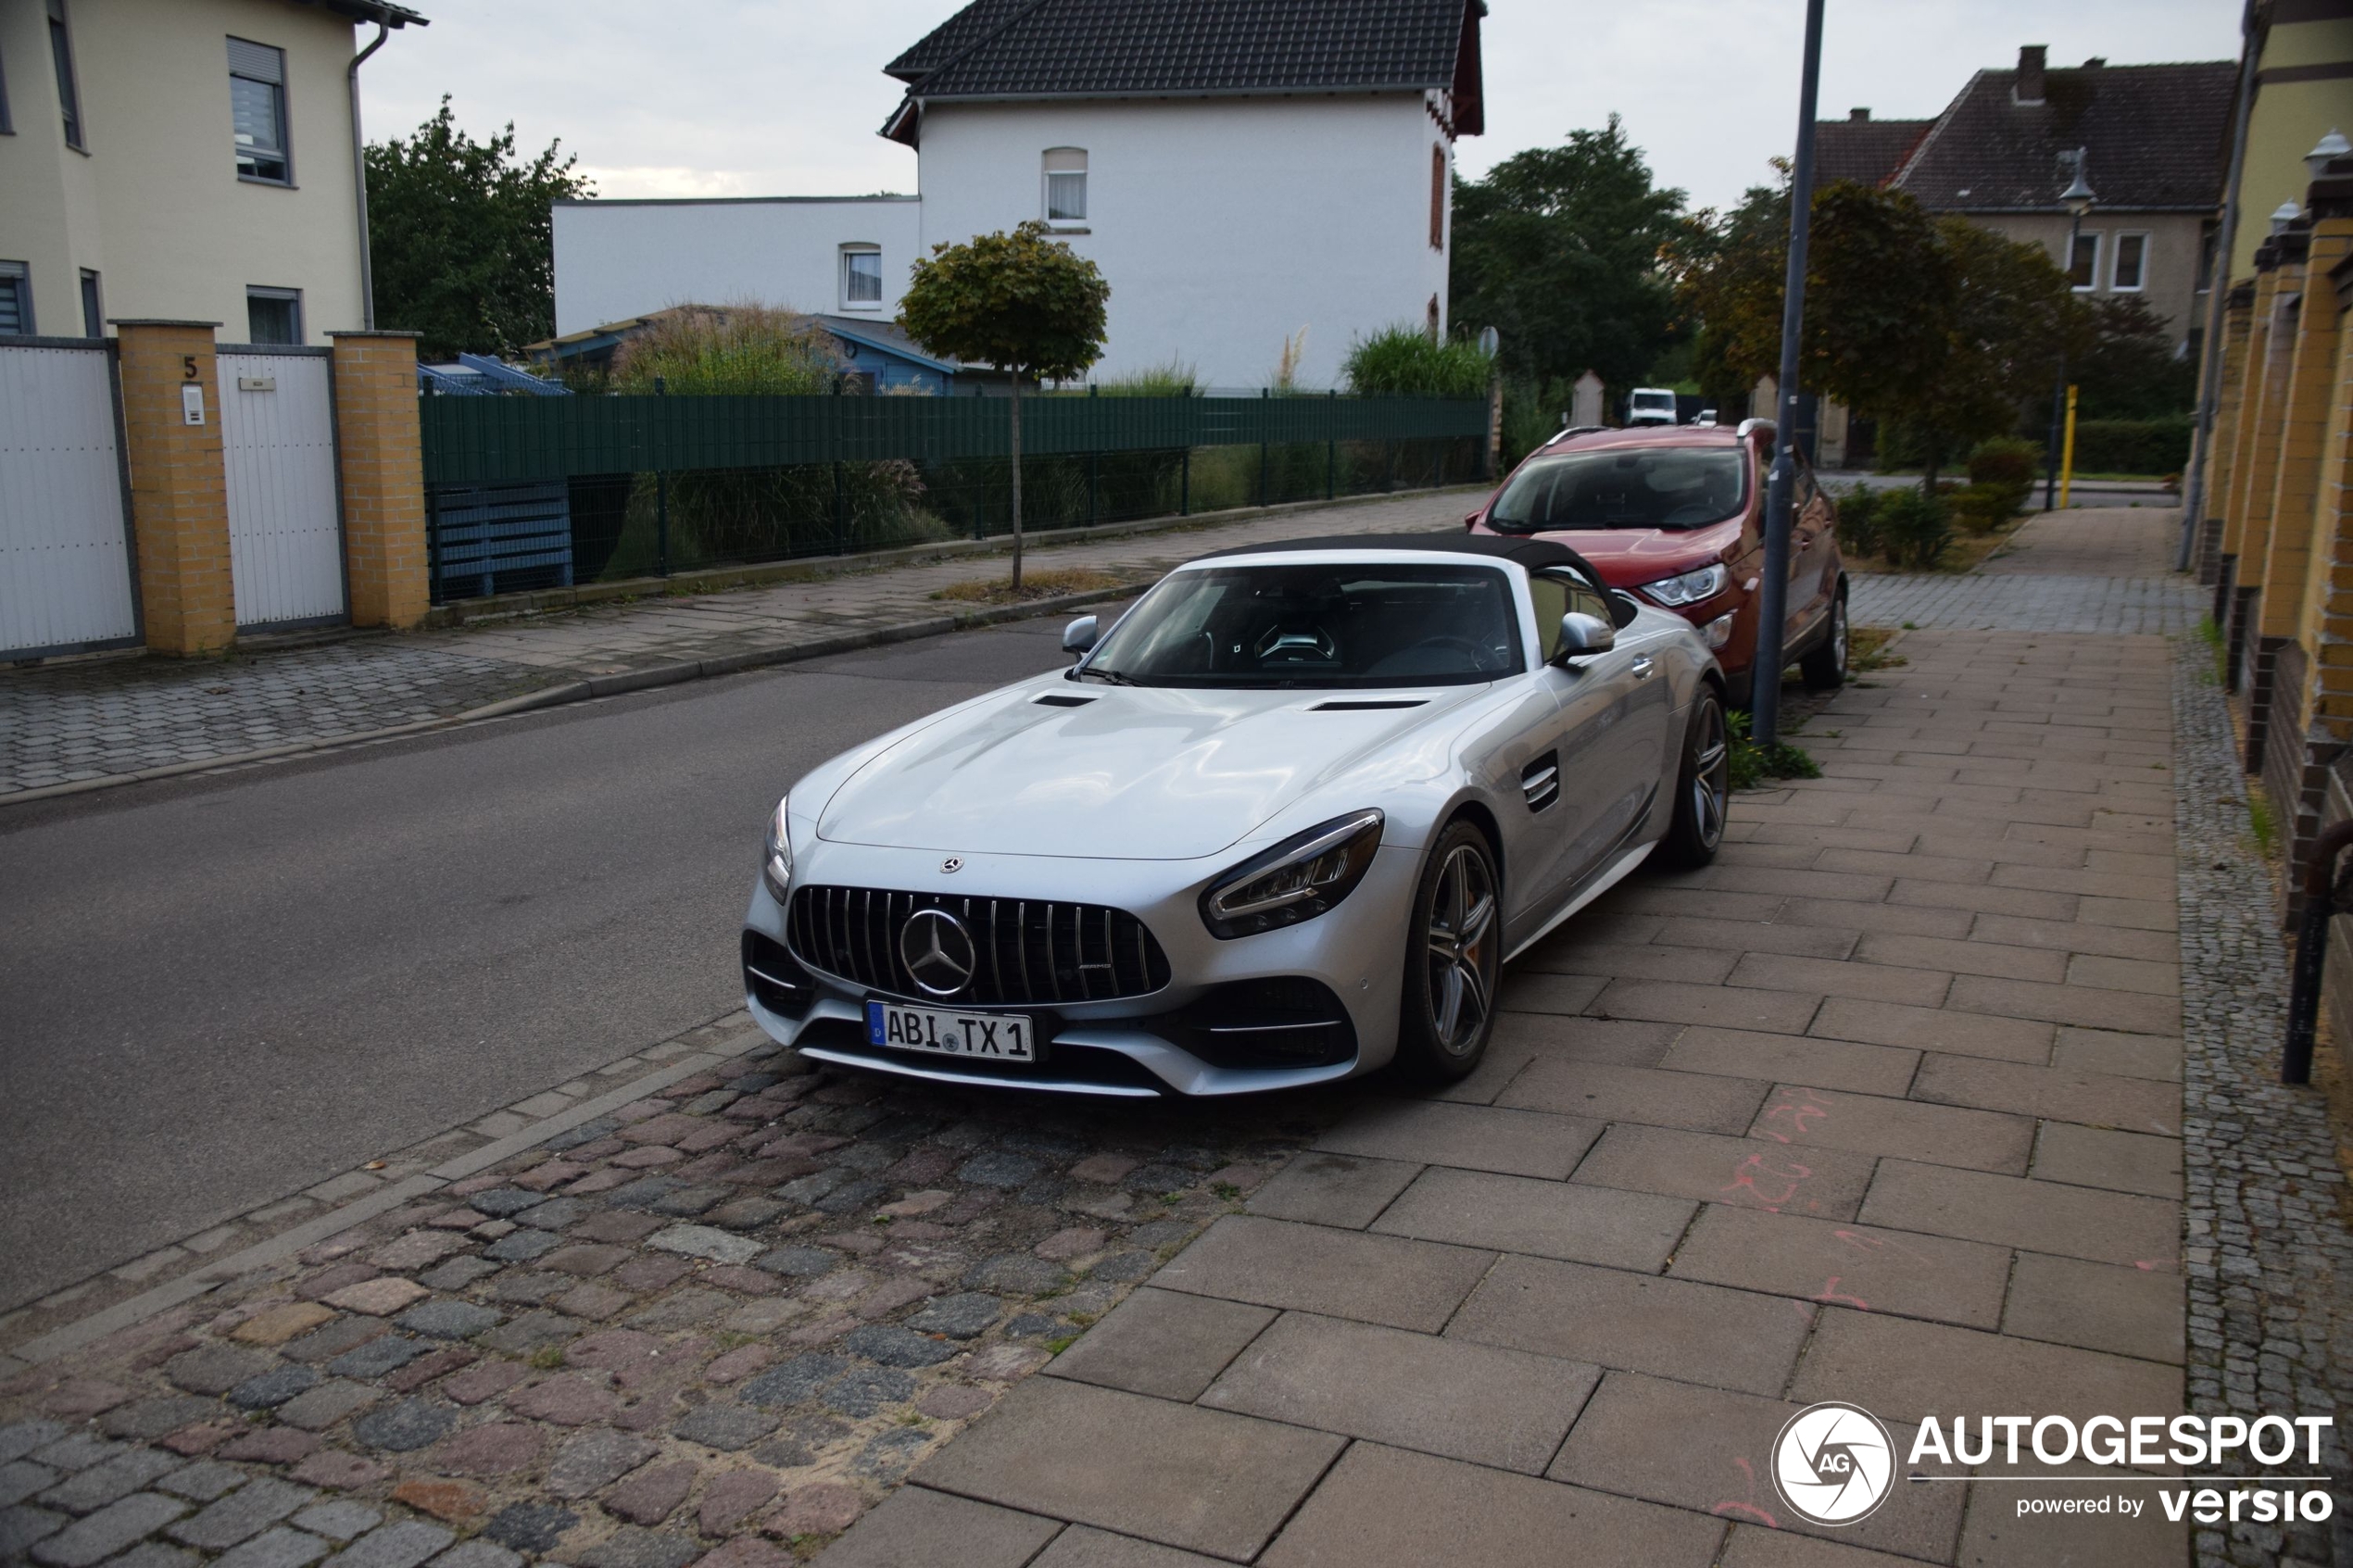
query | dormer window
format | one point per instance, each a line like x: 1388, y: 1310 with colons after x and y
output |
x: 861, y: 281
x: 1065, y: 185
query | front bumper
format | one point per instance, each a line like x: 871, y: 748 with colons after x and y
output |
x: 1202, y: 1033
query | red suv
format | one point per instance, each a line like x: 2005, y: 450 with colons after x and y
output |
x: 1676, y: 516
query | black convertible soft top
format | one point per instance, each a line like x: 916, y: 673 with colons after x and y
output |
x: 1534, y: 554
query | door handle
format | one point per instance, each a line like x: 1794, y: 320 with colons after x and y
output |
x: 1642, y: 667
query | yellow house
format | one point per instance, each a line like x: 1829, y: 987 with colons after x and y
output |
x: 185, y: 159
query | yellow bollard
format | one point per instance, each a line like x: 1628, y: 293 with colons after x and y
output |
x: 2066, y: 452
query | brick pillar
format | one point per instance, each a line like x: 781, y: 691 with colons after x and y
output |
x: 383, y: 478
x: 2269, y: 352
x: 2215, y: 547
x: 179, y: 489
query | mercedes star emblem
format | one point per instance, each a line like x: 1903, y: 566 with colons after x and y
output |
x: 951, y: 865
x: 937, y: 951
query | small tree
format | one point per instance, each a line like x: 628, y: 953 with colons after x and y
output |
x: 1021, y: 302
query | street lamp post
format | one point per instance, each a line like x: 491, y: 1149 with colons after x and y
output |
x: 2077, y: 199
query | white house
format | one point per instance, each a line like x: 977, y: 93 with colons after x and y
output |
x: 192, y: 159
x: 1241, y: 170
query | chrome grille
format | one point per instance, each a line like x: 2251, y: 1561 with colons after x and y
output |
x: 1031, y: 951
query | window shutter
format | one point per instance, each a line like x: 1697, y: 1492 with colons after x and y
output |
x: 259, y: 62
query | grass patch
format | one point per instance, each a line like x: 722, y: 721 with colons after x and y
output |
x: 1753, y: 764
x: 2262, y: 824
x: 1060, y: 1343
x: 547, y: 1358
x: 1043, y: 585
x: 1866, y: 650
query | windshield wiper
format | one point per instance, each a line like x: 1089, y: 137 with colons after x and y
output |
x: 1114, y: 676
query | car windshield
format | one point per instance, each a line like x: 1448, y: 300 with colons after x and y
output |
x: 1336, y: 624
x: 1624, y: 487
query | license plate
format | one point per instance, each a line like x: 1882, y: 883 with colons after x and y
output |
x: 992, y: 1036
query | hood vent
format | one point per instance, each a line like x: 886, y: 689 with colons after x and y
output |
x: 1062, y: 699
x: 1368, y: 705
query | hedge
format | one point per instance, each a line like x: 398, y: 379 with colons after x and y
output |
x: 2153, y: 447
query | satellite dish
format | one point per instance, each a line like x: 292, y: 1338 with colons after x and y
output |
x: 1488, y: 340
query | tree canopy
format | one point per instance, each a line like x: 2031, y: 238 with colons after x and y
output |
x: 461, y: 237
x: 1558, y: 248
x: 1022, y: 301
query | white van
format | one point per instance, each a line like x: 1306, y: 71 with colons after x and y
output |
x: 1651, y: 406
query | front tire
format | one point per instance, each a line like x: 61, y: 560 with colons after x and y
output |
x: 1454, y: 957
x: 1703, y: 787
x: 1825, y: 668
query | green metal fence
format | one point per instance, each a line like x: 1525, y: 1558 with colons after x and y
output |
x: 648, y: 486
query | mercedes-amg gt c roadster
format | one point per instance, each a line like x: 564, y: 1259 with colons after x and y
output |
x: 1283, y: 823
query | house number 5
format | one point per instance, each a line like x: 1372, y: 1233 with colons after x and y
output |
x: 188, y: 367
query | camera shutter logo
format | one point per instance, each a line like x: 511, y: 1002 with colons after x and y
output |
x: 1833, y: 1463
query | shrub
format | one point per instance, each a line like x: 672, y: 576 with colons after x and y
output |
x: 1914, y: 528
x: 1173, y: 379
x: 2006, y: 460
x: 1402, y: 361
x: 748, y: 349
x: 1858, y: 524
x: 1981, y: 508
x: 2153, y: 447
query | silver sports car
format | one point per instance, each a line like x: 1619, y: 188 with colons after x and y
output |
x: 1283, y: 823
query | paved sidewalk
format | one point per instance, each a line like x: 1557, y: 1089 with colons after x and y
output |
x: 2088, y: 571
x: 73, y: 722
x: 1885, y: 1106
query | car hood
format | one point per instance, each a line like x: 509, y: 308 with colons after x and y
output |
x: 1137, y: 773
x: 1628, y: 557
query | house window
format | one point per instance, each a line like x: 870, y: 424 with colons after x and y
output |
x: 2132, y: 263
x: 1066, y: 185
x: 2084, y: 273
x: 93, y: 317
x: 61, y: 50
x: 273, y: 315
x: 1438, y: 198
x: 16, y: 298
x: 257, y: 111
x: 860, y: 278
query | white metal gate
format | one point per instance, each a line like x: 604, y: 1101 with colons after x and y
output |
x: 286, y: 512
x: 64, y: 539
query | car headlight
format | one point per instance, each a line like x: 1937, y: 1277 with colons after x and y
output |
x: 1297, y: 880
x: 1689, y: 588
x: 775, y: 855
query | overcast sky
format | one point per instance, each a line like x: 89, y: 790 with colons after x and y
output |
x: 782, y: 98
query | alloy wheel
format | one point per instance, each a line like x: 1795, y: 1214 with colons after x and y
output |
x: 1838, y: 632
x: 1462, y: 941
x: 1712, y: 772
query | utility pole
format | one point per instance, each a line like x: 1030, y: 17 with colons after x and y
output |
x: 2077, y: 199
x: 1765, y: 693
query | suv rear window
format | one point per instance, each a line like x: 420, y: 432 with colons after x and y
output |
x: 1674, y: 487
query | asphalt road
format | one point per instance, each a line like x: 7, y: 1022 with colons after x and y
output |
x: 216, y: 992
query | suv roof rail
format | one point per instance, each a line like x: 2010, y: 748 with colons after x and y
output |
x: 1748, y: 425
x: 1576, y: 430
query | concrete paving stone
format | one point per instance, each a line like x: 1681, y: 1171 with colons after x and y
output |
x: 1603, y: 1091
x: 406, y: 1427
x: 631, y: 1547
x: 273, y: 1387
x: 201, y: 1481
x: 1591, y: 1225
x: 2038, y: 1216
x: 79, y: 1450
x: 1712, y: 1451
x: 1666, y: 1326
x: 338, y: 1520
x: 2080, y: 1005
x: 1204, y: 1480
x: 215, y: 1369
x: 1905, y: 1273
x: 1560, y: 993
x: 1080, y: 1545
x: 1162, y: 1343
x: 278, y: 1547
x: 151, y: 1418
x: 965, y: 1315
x: 1469, y: 1402
x: 1753, y: 937
x: 1575, y: 952
x: 2077, y: 937
x: 2097, y: 1306
x: 1984, y: 898
x: 23, y: 1525
x: 152, y: 1554
x: 1783, y: 1012
x: 1384, y: 1507
x: 916, y: 1524
x: 1994, y: 1534
x: 1933, y: 1029
x: 527, y: 1526
x: 1792, y: 1058
x: 1754, y: 1173
x: 1855, y: 917
x: 101, y: 1535
x: 1626, y: 1041
x: 19, y: 1438
x: 2098, y: 1100
x: 2101, y: 1158
x: 1333, y: 1189
x: 825, y: 1509
x: 1956, y: 1135
x: 402, y: 1544
x: 246, y: 1512
x: 1901, y: 1369
x: 20, y: 1478
x: 1339, y: 1273
x: 334, y: 1339
x: 1828, y: 977
x: 724, y: 1426
x: 477, y: 1554
x: 2127, y: 1056
x: 1523, y: 1143
x: 135, y: 1470
x: 1965, y: 957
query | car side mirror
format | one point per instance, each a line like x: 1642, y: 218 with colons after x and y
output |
x: 1080, y: 635
x: 1584, y: 635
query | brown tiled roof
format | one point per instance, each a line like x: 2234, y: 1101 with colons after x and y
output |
x: 2158, y: 139
x: 1867, y: 151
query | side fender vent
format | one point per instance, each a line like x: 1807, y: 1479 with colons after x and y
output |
x: 1540, y: 782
